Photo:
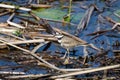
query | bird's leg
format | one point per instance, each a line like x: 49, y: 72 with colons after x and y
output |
x: 64, y: 55
x: 68, y: 54
x: 94, y: 47
x: 85, y: 54
x: 67, y: 59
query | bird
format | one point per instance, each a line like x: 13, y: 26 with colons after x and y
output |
x: 71, y: 41
x: 66, y: 40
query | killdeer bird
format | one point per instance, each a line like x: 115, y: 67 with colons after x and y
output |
x: 69, y: 41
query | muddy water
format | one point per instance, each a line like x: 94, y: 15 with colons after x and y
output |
x: 105, y: 41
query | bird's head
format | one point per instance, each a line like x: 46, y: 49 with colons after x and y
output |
x: 59, y: 36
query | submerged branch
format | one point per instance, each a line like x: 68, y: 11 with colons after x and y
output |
x: 85, y: 20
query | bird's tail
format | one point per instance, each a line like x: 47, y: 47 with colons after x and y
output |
x: 94, y: 47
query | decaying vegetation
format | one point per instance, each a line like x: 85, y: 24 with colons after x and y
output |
x: 24, y: 33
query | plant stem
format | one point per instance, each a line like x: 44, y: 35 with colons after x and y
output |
x: 69, y: 12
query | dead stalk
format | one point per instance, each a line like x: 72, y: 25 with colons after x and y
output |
x: 12, y: 23
x: 40, y: 58
x: 86, y: 71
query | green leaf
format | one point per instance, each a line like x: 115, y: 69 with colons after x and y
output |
x: 17, y: 33
x: 55, y: 14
